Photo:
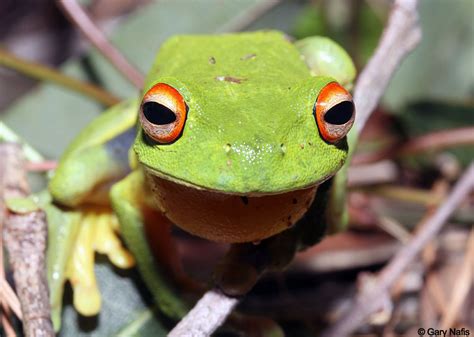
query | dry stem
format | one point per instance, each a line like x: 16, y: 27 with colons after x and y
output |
x: 400, y: 36
x: 368, y: 302
x: 462, y: 286
x: 25, y: 239
x: 206, y: 316
x: 433, y: 141
x: 87, y: 27
x: 8, y: 187
x: 9, y: 298
x: 45, y: 73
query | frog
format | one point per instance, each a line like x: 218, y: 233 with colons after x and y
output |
x: 236, y: 138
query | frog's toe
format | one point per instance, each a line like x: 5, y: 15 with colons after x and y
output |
x: 81, y: 270
x: 87, y: 299
x: 97, y: 233
x: 109, y: 244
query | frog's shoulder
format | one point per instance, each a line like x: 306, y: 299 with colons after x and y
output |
x: 114, y: 121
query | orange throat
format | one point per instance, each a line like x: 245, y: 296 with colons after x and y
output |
x: 229, y: 218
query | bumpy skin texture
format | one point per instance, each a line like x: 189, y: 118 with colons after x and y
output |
x: 250, y: 127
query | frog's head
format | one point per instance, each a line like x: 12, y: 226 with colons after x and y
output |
x: 241, y: 114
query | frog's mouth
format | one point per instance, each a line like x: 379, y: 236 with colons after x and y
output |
x: 186, y: 183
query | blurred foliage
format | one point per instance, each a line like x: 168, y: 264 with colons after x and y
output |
x: 442, y: 66
x: 355, y: 25
x: 423, y: 117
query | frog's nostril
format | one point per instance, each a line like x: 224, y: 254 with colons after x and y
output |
x: 340, y: 113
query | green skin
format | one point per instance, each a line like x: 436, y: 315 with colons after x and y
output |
x: 263, y: 125
x: 250, y: 98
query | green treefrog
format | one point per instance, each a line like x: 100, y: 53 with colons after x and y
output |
x: 235, y: 139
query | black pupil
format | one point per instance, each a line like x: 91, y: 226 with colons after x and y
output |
x: 158, y: 114
x: 340, y: 114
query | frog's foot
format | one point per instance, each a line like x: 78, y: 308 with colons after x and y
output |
x: 98, y: 233
x: 245, y: 263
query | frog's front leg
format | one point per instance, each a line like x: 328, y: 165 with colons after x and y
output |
x: 74, y: 235
x: 80, y: 217
x: 244, y: 263
x: 131, y: 202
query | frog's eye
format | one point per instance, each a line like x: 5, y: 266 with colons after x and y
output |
x: 163, y: 113
x: 334, y: 112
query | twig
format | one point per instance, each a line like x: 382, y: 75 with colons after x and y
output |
x: 400, y: 36
x: 407, y: 194
x: 10, y: 298
x: 436, y: 293
x: 206, y: 316
x: 45, y: 73
x: 394, y: 228
x: 368, y: 302
x: 434, y: 141
x: 439, y: 140
x: 45, y: 165
x: 25, y: 239
x: 83, y: 22
x: 6, y: 325
x: 6, y: 301
x: 461, y: 288
x: 369, y: 174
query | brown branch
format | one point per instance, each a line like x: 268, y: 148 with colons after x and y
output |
x: 7, y: 302
x: 42, y: 166
x: 45, y: 73
x: 6, y: 324
x: 438, y: 140
x: 9, y: 297
x: 83, y: 22
x: 461, y: 288
x: 434, y: 141
x: 206, y: 316
x: 8, y: 187
x: 369, y: 301
x: 400, y: 36
x: 374, y: 173
x: 25, y: 239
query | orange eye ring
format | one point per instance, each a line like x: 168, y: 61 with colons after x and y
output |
x: 163, y: 113
x: 334, y: 112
